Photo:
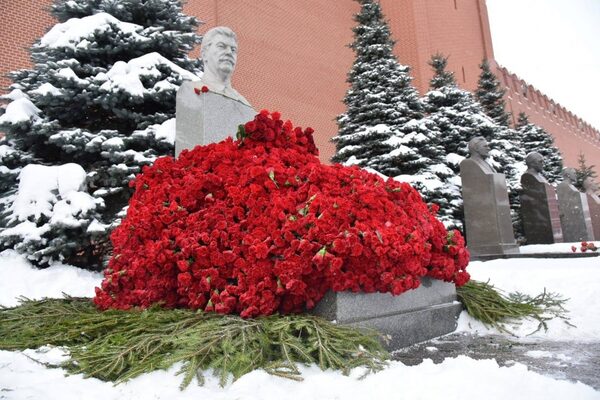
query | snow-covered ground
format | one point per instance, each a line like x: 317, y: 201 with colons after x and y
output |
x: 458, y: 378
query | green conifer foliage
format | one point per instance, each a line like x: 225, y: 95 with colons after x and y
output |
x: 490, y: 95
x: 583, y: 171
x: 379, y: 102
x: 101, y: 95
x: 458, y: 117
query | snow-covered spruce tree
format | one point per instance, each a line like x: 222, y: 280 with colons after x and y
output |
x: 535, y: 138
x: 490, y: 95
x: 380, y: 101
x: 583, y: 171
x: 101, y: 95
x: 458, y: 118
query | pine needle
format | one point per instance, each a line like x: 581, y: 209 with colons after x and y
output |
x: 492, y: 307
x: 120, y: 345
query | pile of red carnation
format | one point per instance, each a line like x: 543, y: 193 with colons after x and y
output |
x: 258, y: 225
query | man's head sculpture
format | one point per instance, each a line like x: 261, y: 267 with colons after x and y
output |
x: 219, y: 54
x: 535, y: 161
x: 479, y: 148
x: 569, y: 175
x: 590, y: 186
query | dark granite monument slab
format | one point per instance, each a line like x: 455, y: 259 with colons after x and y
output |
x: 420, y: 314
x: 488, y: 223
x: 594, y: 205
x: 574, y: 210
x: 539, y: 211
x: 591, y: 188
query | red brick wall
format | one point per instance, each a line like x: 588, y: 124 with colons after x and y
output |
x: 458, y: 29
x: 571, y: 134
x: 21, y: 23
x: 294, y: 56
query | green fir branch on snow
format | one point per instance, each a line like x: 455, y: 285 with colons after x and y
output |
x: 492, y: 307
x: 120, y: 345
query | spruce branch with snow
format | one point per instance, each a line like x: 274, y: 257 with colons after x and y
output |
x: 101, y: 95
x: 380, y: 101
x: 583, y: 171
x: 458, y: 117
x: 52, y: 217
x: 490, y: 95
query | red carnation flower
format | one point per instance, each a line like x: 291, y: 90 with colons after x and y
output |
x: 259, y: 225
x: 201, y: 90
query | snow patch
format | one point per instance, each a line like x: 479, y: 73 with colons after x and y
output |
x: 113, y: 144
x: 19, y: 278
x: 165, y: 131
x: 39, y: 186
x: 15, y: 94
x: 127, y: 76
x: 20, y: 110
x: 399, y: 151
x: 379, y: 174
x: 69, y: 74
x: 454, y: 158
x: 352, y: 161
x: 452, y: 379
x: 575, y: 279
x: 72, y: 32
x: 47, y: 88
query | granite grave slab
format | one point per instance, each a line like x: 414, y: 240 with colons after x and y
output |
x: 575, y: 217
x: 539, y: 210
x: 429, y: 311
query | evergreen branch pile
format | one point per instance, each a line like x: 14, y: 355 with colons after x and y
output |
x: 492, y: 307
x: 120, y: 345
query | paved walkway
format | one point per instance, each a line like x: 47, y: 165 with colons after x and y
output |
x: 573, y: 361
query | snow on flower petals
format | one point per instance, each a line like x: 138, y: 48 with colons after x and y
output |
x: 259, y: 226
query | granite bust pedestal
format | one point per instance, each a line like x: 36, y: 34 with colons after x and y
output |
x: 574, y: 210
x: 488, y: 224
x: 539, y: 205
x: 594, y: 203
x: 204, y: 117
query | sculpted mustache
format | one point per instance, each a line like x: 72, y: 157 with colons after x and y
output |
x: 226, y: 59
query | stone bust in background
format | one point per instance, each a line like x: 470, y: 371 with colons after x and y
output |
x: 479, y: 150
x: 539, y: 206
x: 535, y: 165
x: 219, y: 55
x: 591, y: 187
x: 485, y: 202
x: 569, y: 175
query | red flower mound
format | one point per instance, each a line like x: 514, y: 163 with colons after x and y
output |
x: 259, y: 225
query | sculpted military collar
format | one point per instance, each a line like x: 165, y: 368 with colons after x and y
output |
x: 485, y: 166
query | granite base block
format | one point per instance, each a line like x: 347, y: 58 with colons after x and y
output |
x: 489, y: 257
x: 417, y: 315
